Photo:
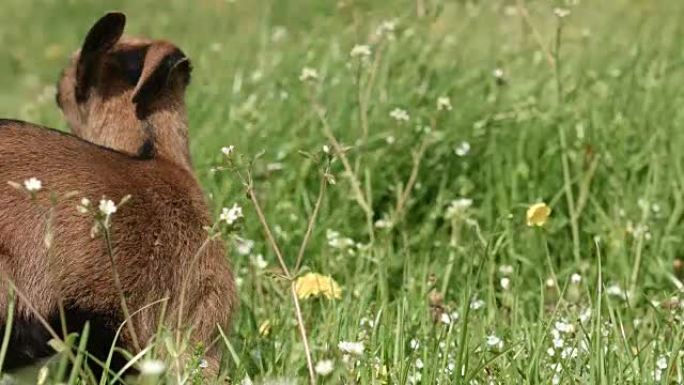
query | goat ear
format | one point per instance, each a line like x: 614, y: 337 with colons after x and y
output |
x: 100, y: 39
x: 163, y: 63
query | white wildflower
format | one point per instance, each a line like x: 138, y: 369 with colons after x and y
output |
x: 84, y: 206
x: 505, y: 283
x: 361, y: 51
x: 498, y: 73
x: 324, y: 367
x: 661, y: 365
x: 399, y: 115
x: 152, y: 367
x: 354, y: 348
x: 477, y: 304
x: 383, y: 224
x: 387, y: 28
x: 257, y: 76
x: 444, y: 103
x: 33, y: 185
x: 505, y: 269
x: 561, y: 12
x: 445, y: 319
x: 585, y: 315
x: 231, y: 215
x: 243, y: 246
x: 616, y: 291
x: 657, y: 375
x: 569, y: 352
x: 308, y: 74
x: 457, y: 207
x: 107, y: 207
x: 259, y: 262
x: 576, y: 278
x: 462, y: 149
x: 564, y: 327
x: 494, y: 342
x: 279, y: 33
x: 367, y: 321
x: 326, y: 149
x: 414, y: 344
x: 558, y: 341
x: 336, y: 241
x: 419, y: 364
x: 228, y: 150
x: 414, y: 378
x: 462, y: 203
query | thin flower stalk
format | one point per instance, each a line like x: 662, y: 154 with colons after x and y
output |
x: 276, y: 249
x: 406, y: 193
x: 119, y: 287
x: 359, y: 196
x: 312, y: 218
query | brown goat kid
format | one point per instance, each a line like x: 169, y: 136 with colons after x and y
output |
x: 124, y: 99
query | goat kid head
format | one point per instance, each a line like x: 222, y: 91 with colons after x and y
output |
x: 128, y: 94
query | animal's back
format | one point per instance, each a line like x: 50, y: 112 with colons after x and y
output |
x: 46, y: 244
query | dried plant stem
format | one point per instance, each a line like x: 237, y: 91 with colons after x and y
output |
x: 585, y: 187
x: 119, y: 287
x: 279, y: 255
x: 364, y: 94
x: 522, y: 10
x: 312, y: 219
x: 359, y: 196
x: 406, y: 193
x: 420, y: 8
x: 553, y: 59
x: 565, y: 162
x: 303, y: 333
x: 363, y: 110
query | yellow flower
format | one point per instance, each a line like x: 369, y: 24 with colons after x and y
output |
x: 265, y: 328
x: 315, y: 285
x: 538, y: 214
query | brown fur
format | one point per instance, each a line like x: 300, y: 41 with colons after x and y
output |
x: 132, y: 94
x: 155, y: 235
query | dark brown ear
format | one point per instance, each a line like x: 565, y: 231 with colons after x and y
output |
x: 102, y: 36
x: 164, y: 62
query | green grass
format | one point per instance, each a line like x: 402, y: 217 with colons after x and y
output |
x: 598, y: 137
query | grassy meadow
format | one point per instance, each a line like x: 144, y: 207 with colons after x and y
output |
x: 430, y: 127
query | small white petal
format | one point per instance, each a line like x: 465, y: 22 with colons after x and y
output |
x: 152, y: 367
x: 33, y: 185
x: 107, y: 207
x: 355, y: 348
x: 324, y: 367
